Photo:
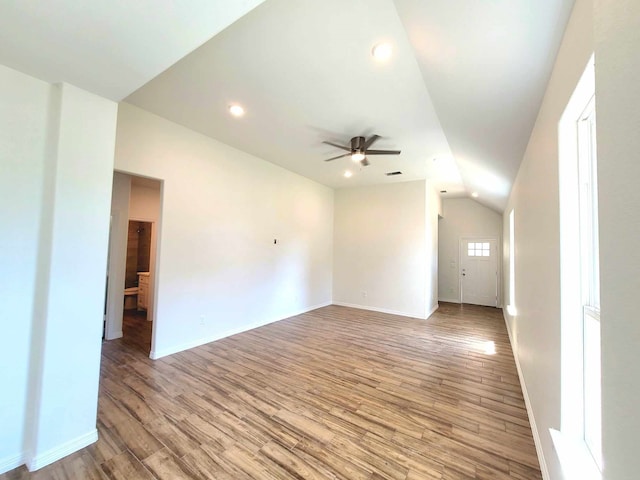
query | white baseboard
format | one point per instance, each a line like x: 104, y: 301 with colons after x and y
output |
x: 532, y: 420
x: 45, y: 458
x: 433, y: 310
x: 156, y: 354
x: 9, y: 463
x: 381, y: 310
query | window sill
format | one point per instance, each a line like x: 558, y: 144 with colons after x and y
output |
x: 575, y: 459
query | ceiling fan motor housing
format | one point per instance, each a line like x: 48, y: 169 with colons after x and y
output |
x: 357, y: 144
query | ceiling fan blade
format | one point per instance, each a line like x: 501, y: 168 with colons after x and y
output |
x: 338, y: 146
x: 383, y: 152
x: 369, y: 142
x: 339, y: 156
x: 364, y: 162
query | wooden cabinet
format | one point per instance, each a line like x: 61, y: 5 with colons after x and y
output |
x: 143, y: 290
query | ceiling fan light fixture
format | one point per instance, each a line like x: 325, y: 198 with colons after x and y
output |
x: 382, y: 51
x: 360, y: 149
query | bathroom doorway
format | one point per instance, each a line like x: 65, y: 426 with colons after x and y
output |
x: 136, y: 329
x: 131, y: 293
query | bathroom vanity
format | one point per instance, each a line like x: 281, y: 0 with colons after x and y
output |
x: 143, y: 290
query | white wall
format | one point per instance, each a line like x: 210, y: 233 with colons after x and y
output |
x: 219, y: 269
x: 144, y: 202
x: 120, y: 195
x: 462, y: 217
x: 23, y: 124
x: 535, y: 330
x: 57, y: 157
x: 617, y: 68
x: 75, y: 226
x: 381, y: 257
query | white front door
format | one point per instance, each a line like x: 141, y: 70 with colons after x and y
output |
x: 479, y: 271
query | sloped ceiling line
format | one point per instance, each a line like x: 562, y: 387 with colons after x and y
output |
x: 463, y: 86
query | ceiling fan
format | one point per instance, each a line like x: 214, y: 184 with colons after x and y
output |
x: 359, y: 150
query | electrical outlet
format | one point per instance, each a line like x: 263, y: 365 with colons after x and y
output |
x: 364, y: 294
x: 201, y: 319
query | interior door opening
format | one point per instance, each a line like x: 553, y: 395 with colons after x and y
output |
x: 132, y: 265
x: 136, y: 320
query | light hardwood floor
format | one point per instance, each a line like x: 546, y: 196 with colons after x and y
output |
x: 136, y: 331
x: 334, y: 393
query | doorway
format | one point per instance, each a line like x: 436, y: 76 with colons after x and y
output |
x: 479, y: 271
x: 131, y: 295
x: 136, y: 327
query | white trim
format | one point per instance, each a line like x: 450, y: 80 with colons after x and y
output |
x: 433, y: 310
x: 532, y: 420
x: 511, y: 306
x: 383, y: 310
x: 156, y: 354
x: 9, y: 463
x: 67, y: 448
x: 575, y: 458
x: 574, y: 421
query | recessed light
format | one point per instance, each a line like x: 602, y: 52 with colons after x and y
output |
x: 382, y: 51
x: 474, y: 194
x: 236, y: 110
x: 348, y: 174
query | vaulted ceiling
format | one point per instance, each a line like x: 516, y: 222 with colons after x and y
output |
x: 459, y: 95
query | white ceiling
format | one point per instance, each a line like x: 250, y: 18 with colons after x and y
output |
x: 486, y: 65
x: 304, y: 73
x: 108, y: 47
x: 464, y: 84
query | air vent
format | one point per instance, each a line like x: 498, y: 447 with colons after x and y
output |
x: 391, y: 174
x: 443, y: 191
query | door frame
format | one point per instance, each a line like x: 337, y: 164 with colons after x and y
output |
x: 498, y: 264
x: 115, y: 292
x: 117, y: 264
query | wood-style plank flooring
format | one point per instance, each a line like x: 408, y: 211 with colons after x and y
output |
x: 136, y: 330
x: 336, y: 393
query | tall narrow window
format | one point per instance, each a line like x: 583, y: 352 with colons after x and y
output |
x: 511, y: 307
x: 579, y: 442
x: 590, y: 273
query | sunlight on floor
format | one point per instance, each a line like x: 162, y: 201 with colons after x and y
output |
x: 490, y: 348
